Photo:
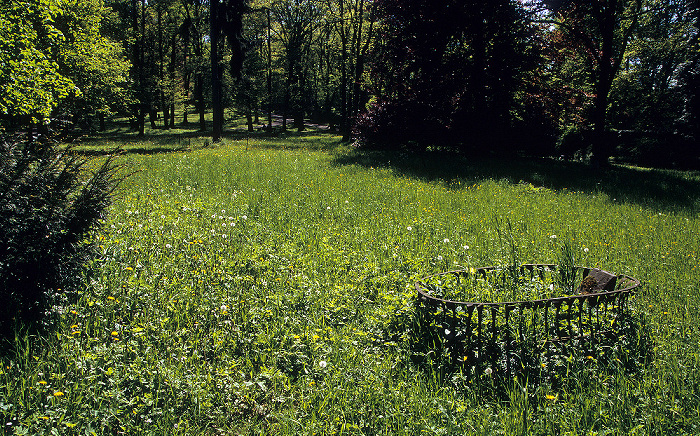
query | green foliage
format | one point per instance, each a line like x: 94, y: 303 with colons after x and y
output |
x: 93, y: 62
x: 49, y: 202
x: 30, y: 81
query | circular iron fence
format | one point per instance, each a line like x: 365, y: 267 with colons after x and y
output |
x: 586, y: 303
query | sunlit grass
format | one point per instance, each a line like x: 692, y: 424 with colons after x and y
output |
x: 264, y: 286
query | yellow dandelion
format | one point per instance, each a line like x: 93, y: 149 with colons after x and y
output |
x: 115, y: 333
x: 42, y: 382
x: 128, y: 268
x: 58, y: 394
x: 551, y: 397
x: 110, y: 298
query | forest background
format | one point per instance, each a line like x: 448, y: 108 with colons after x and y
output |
x: 591, y: 80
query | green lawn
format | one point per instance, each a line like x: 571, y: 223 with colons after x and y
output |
x: 265, y: 286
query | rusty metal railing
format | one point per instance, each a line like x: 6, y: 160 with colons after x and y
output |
x: 493, y: 333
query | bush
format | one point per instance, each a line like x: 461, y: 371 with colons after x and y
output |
x: 50, y: 199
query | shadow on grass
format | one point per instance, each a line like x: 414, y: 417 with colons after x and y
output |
x: 156, y: 141
x: 659, y: 190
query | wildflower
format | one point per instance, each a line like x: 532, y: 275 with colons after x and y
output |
x: 168, y: 246
x: 115, y: 333
x: 488, y: 371
x: 110, y: 298
x: 322, y: 364
x: 589, y: 357
x: 585, y: 250
x: 328, y: 208
x: 409, y: 228
x: 58, y: 394
x: 439, y: 257
x: 244, y: 217
x: 446, y: 240
x: 551, y: 397
x: 42, y: 382
x: 466, y: 247
x: 553, y: 237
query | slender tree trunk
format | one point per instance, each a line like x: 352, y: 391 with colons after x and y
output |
x: 145, y: 105
x: 199, y: 91
x: 216, y: 85
x: 344, y: 130
x: 137, y: 69
x: 269, y: 75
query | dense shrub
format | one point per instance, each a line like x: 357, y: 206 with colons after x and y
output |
x: 50, y: 200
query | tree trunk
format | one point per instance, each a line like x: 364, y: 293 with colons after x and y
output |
x: 344, y: 130
x: 216, y: 85
x: 269, y: 75
x: 249, y: 119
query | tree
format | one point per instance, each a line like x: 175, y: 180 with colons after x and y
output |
x: 226, y: 19
x: 31, y: 84
x: 447, y: 71
x: 92, y: 61
x: 297, y: 22
x: 599, y: 31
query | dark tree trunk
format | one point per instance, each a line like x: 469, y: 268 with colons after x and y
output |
x: 269, y: 75
x: 216, y: 85
x: 344, y: 128
x: 249, y: 119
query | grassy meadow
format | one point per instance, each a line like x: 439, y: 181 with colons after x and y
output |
x: 264, y: 285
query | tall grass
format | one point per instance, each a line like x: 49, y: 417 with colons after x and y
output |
x: 264, y: 286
